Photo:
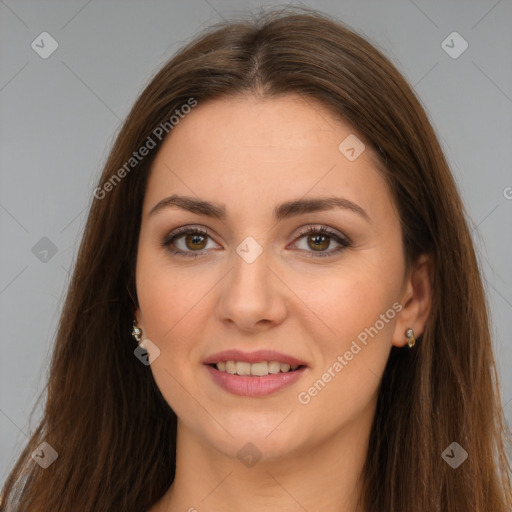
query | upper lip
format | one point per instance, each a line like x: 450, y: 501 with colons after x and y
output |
x: 253, y: 357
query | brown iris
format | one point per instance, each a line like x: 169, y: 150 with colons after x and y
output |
x: 320, y: 241
x: 196, y: 239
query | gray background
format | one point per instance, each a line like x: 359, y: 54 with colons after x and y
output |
x: 59, y: 115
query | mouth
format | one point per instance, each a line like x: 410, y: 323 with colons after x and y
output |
x: 258, y: 369
x: 259, y: 362
x: 254, y: 374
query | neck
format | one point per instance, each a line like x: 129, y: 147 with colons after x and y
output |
x: 321, y: 477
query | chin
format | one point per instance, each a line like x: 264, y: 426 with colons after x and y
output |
x: 266, y: 434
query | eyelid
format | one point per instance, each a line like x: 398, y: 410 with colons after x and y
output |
x: 183, y: 230
x: 321, y: 228
x: 340, y: 238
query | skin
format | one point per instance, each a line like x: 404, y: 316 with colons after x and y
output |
x: 251, y: 154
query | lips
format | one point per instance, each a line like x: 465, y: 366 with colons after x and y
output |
x: 253, y: 357
x: 254, y: 372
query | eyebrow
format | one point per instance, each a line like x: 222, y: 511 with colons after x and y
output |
x: 282, y: 211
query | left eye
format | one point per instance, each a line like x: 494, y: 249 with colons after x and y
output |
x: 195, y: 241
x: 320, y: 238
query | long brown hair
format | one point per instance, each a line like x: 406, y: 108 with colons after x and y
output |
x: 106, y: 418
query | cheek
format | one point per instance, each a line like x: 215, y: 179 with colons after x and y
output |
x: 345, y: 385
x: 360, y: 308
x: 353, y: 299
x: 171, y: 303
x: 169, y: 296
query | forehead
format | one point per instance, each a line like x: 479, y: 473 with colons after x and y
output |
x: 250, y: 151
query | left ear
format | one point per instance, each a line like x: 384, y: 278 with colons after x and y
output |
x: 416, y: 300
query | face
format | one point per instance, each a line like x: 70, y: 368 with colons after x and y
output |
x: 319, y: 286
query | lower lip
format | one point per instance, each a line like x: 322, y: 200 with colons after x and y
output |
x: 254, y: 386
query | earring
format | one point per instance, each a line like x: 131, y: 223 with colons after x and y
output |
x: 136, y: 332
x: 412, y: 340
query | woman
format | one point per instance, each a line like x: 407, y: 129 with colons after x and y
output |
x: 276, y: 303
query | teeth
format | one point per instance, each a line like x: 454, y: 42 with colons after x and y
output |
x: 274, y: 367
x: 243, y: 368
x: 260, y: 369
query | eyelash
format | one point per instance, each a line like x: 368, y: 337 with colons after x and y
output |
x: 323, y: 230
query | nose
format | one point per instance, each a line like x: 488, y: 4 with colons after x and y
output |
x: 252, y: 297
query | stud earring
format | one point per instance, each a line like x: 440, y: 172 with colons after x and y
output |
x: 136, y: 332
x: 412, y: 340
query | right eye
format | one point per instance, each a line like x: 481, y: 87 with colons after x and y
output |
x: 191, y: 238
